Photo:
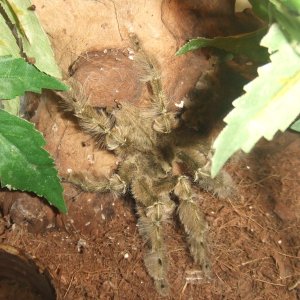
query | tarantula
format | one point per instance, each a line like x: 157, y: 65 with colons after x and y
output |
x: 161, y: 162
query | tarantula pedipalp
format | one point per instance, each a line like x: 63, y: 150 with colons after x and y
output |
x: 159, y: 160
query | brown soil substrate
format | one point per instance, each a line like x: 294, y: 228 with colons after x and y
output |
x: 253, y: 240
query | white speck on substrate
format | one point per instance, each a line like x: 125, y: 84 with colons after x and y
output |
x: 180, y: 105
x: 54, y: 127
x: 69, y: 171
x: 103, y: 217
x: 87, y: 224
x: 81, y: 244
x: 248, y: 167
x: 279, y: 242
x: 126, y: 255
x: 105, y: 51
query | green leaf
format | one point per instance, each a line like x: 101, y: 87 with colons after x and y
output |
x: 12, y: 106
x: 35, y: 41
x: 24, y: 164
x: 245, y: 44
x: 288, y: 19
x: 8, y: 45
x: 261, y: 8
x: 271, y: 102
x: 285, y: 12
x: 296, y: 126
x: 17, y: 76
x: 292, y: 5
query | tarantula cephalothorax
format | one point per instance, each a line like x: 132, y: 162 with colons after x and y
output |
x: 159, y: 161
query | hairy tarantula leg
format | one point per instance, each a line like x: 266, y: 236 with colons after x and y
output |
x: 153, y: 210
x: 193, y: 222
x: 114, y: 184
x: 150, y: 222
x: 155, y: 259
x: 164, y: 120
x: 199, y: 165
x: 222, y: 185
x: 96, y: 122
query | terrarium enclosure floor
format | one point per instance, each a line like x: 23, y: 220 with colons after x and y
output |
x: 254, y: 242
x: 95, y: 252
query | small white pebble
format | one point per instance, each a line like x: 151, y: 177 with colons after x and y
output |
x: 54, y: 127
x: 248, y: 167
x: 250, y: 207
x: 105, y: 51
x: 212, y: 212
x: 130, y: 57
x: 126, y: 255
x: 180, y: 105
x: 87, y: 224
x: 69, y: 171
x: 81, y: 244
x: 103, y: 217
x: 279, y: 242
x: 113, y: 204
